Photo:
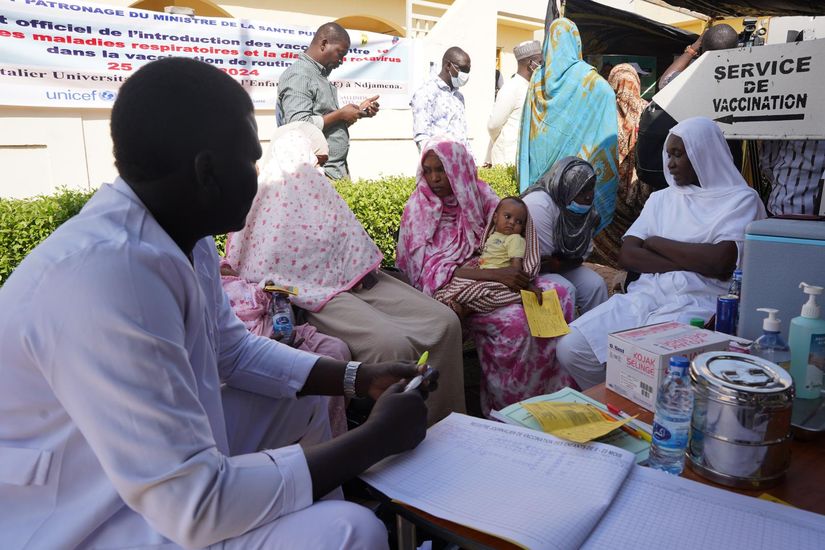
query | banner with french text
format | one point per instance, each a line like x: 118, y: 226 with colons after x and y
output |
x: 77, y: 54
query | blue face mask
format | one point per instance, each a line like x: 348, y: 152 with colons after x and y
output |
x: 577, y: 208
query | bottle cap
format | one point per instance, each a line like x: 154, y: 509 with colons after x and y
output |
x: 770, y: 323
x: 679, y: 361
x: 810, y: 308
x: 697, y: 322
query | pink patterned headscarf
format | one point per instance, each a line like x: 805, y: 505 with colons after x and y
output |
x: 436, y: 236
x: 299, y: 231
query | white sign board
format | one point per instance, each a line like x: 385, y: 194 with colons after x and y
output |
x: 771, y: 92
x: 54, y: 54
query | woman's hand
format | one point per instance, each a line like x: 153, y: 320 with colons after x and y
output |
x: 228, y: 271
x: 537, y: 291
x: 513, y: 278
x: 717, y: 260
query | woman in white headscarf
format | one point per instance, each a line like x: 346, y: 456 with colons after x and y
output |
x: 686, y: 243
x: 300, y: 232
x: 251, y: 304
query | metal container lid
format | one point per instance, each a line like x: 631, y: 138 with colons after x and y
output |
x: 741, y: 378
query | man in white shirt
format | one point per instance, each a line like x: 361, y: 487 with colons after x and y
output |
x: 505, y: 120
x: 438, y: 106
x: 136, y: 410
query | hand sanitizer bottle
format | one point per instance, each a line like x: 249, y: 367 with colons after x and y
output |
x: 770, y: 346
x: 807, y: 339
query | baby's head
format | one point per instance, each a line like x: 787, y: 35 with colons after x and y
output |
x: 510, y: 217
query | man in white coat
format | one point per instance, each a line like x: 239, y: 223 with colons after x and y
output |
x: 136, y: 410
x: 504, y: 123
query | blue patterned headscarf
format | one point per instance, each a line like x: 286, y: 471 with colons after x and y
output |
x: 570, y: 111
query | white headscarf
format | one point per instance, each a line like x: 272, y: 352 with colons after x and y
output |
x: 723, y: 204
x: 318, y: 143
x: 299, y: 231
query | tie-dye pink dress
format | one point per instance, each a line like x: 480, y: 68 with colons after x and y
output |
x: 438, y: 237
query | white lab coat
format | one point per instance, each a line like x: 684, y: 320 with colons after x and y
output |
x: 112, y: 430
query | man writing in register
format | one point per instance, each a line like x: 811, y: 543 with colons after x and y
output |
x: 136, y: 410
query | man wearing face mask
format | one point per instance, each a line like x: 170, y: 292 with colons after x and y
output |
x: 438, y: 106
x: 305, y: 93
x: 505, y: 120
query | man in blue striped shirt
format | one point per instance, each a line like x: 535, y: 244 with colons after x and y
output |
x: 305, y: 93
x: 794, y: 169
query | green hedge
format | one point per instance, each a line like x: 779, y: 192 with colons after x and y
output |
x: 377, y: 204
x: 26, y: 222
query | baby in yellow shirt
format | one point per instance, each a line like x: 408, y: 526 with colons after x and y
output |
x: 506, y: 245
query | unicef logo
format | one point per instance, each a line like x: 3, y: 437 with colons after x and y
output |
x: 106, y: 95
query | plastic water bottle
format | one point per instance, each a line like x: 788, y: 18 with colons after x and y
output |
x: 283, y: 322
x: 671, y: 421
x: 735, y: 286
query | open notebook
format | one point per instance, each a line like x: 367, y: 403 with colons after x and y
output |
x: 539, y: 491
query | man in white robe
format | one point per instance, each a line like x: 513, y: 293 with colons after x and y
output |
x: 685, y: 243
x: 136, y: 410
x: 504, y: 123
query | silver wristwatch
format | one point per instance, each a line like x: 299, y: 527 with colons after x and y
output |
x: 349, y: 378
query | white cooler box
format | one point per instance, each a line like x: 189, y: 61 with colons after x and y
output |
x: 779, y: 254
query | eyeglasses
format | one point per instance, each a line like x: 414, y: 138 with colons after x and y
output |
x: 461, y: 68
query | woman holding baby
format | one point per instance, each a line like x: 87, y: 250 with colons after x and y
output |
x: 446, y: 229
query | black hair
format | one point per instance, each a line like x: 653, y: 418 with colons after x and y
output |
x: 512, y: 198
x: 453, y: 54
x: 331, y: 32
x: 720, y: 37
x: 169, y: 111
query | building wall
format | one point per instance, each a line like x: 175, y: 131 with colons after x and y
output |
x: 645, y: 9
x: 42, y: 149
x: 507, y: 39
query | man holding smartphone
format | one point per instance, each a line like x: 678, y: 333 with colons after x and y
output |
x: 305, y: 93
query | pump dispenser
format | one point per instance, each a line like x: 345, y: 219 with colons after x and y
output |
x: 807, y: 339
x: 770, y: 346
x: 810, y: 309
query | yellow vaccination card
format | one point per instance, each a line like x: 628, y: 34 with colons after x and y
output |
x: 577, y: 422
x: 545, y: 320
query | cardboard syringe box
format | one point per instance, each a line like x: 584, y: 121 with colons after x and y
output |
x: 637, y: 359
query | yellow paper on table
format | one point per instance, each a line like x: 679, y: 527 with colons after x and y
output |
x: 545, y: 320
x: 771, y: 498
x: 577, y: 422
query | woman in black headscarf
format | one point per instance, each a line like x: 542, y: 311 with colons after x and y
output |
x: 561, y: 205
